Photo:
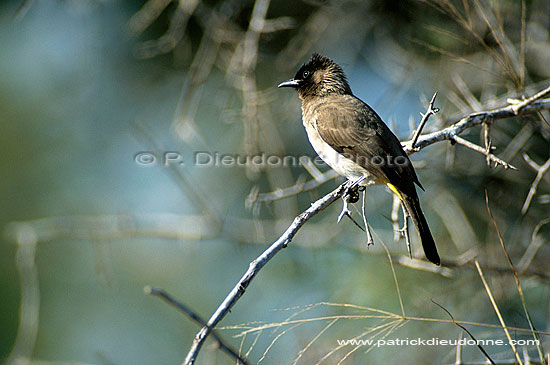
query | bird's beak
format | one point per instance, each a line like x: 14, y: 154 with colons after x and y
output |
x: 289, y: 83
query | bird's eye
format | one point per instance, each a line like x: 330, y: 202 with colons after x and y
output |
x: 305, y: 74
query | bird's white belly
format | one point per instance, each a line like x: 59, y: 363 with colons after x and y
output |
x: 342, y: 165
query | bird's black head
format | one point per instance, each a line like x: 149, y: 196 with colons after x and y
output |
x: 320, y: 76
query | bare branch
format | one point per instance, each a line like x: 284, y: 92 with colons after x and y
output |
x: 473, y: 103
x: 22, y: 9
x: 487, y: 142
x: 149, y: 290
x: 431, y: 111
x: 473, y: 120
x: 299, y: 187
x: 400, y: 232
x: 370, y: 241
x: 241, y: 71
x: 517, y: 106
x: 541, y: 170
x: 148, y: 13
x: 311, y: 168
x: 275, y: 25
x: 482, y: 150
x: 167, y: 42
x: 27, y: 244
x: 536, y: 243
x: 405, y: 229
x: 468, y: 332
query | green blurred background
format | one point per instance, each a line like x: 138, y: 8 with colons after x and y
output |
x: 91, y: 89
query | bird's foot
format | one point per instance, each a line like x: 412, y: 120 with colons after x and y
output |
x: 351, y: 193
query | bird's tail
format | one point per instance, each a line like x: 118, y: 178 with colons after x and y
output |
x: 412, y: 204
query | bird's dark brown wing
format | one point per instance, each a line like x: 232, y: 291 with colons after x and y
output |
x: 354, y: 130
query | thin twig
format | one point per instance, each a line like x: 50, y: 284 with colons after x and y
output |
x: 534, y: 246
x: 371, y: 313
x: 517, y: 106
x: 458, y: 357
x: 516, y: 277
x: 398, y: 290
x: 22, y: 9
x: 241, y: 71
x: 145, y: 16
x: 405, y: 229
x: 467, y: 94
x: 370, y: 241
x: 487, y: 142
x: 29, y: 316
x: 301, y: 186
x: 431, y: 111
x: 497, y: 311
x: 159, y: 293
x: 176, y: 30
x: 541, y: 170
x: 465, y: 330
x: 483, y: 151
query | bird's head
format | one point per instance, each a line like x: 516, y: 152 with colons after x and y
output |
x: 320, y: 76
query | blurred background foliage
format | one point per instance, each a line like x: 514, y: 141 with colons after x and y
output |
x: 88, y: 85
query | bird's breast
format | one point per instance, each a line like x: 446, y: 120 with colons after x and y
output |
x: 342, y: 165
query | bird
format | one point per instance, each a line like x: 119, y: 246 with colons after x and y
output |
x: 353, y: 140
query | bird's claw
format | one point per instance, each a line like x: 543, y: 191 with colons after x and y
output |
x: 351, y: 195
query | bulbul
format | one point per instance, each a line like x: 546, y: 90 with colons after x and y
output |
x: 352, y: 139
